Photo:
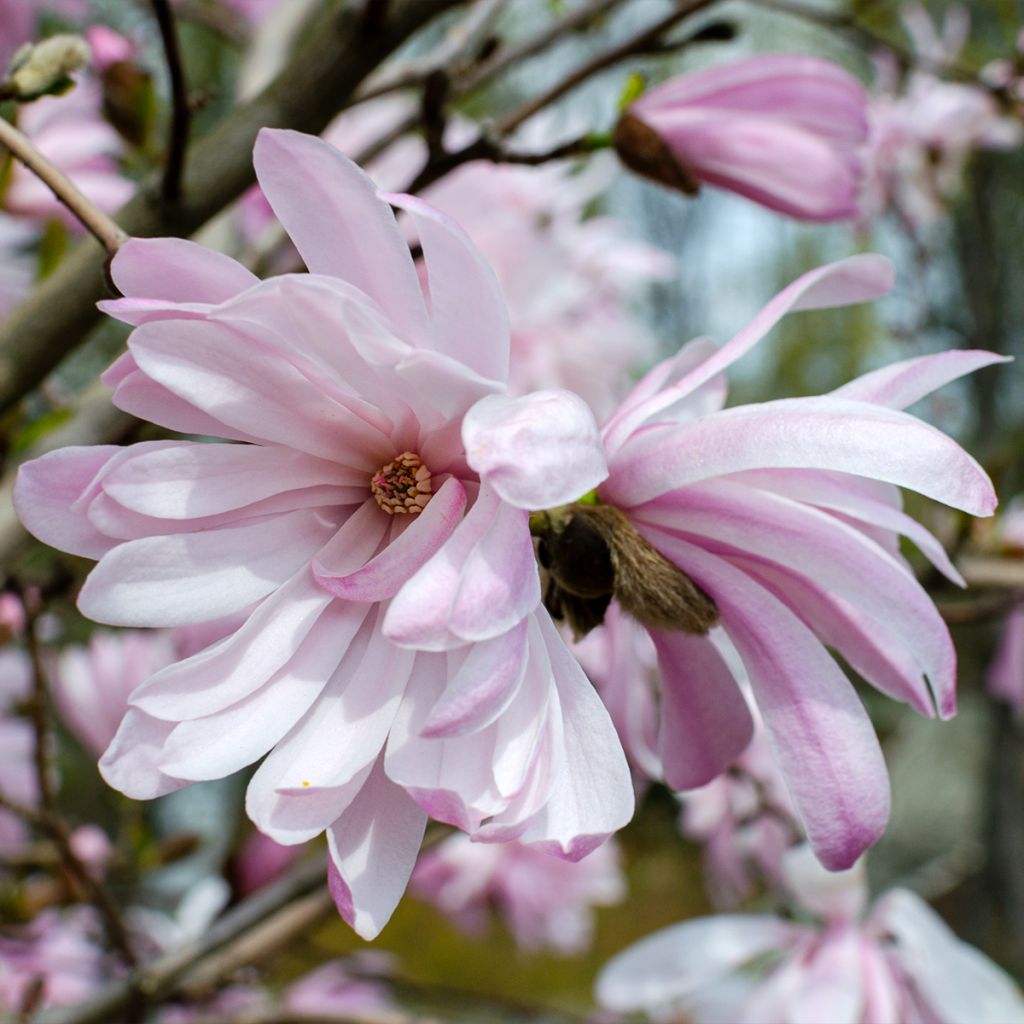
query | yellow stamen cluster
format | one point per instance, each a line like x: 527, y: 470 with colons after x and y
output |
x: 403, y: 486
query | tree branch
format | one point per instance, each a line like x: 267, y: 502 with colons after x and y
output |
x: 318, y: 81
x: 181, y: 114
x: 92, y: 218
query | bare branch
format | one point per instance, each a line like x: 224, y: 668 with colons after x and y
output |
x: 181, y: 114
x: 92, y: 218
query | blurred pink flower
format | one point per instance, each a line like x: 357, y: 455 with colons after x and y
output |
x: 924, y: 128
x: 108, y: 47
x: 91, y: 684
x: 543, y: 900
x: 568, y: 278
x: 783, y: 130
x: 396, y: 663
x: 259, y: 861
x: 788, y: 514
x: 70, y: 131
x: 899, y: 962
x: 58, y: 952
x: 745, y: 821
x: 334, y: 990
x: 17, y: 744
x: 1005, y: 678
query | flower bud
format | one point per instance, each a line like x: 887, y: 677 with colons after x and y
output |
x: 45, y: 68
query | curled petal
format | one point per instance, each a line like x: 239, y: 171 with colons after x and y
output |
x: 538, y: 451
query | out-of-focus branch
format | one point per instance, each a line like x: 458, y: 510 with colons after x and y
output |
x: 491, y: 147
x: 341, y: 51
x: 157, y: 981
x: 181, y: 114
x: 462, y: 44
x: 96, y: 222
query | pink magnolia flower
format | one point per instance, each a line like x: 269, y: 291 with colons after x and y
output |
x: 898, y: 962
x: 92, y: 684
x: 259, y: 861
x: 395, y: 662
x: 108, y: 47
x: 70, y: 131
x: 543, y: 900
x: 745, y: 820
x: 57, y: 952
x: 17, y: 745
x: 334, y: 989
x: 782, y: 130
x: 788, y: 515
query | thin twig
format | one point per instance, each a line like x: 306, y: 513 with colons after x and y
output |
x: 461, y: 45
x: 96, y: 222
x: 643, y: 41
x: 181, y: 114
x: 46, y: 816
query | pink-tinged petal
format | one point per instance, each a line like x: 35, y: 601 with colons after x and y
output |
x: 676, y: 962
x: 815, y: 94
x: 45, y: 496
x: 373, y: 849
x: 479, y: 585
x: 137, y: 311
x: 955, y: 980
x: 340, y: 225
x: 382, y: 576
x: 833, y: 896
x: 633, y: 410
x: 178, y: 271
x: 239, y: 380
x: 802, y: 433
x: 360, y: 702
x: 294, y: 817
x: 131, y: 762
x: 901, y: 384
x: 191, y: 577
x: 226, y: 741
x: 448, y: 386
x: 226, y: 672
x: 1005, y: 677
x: 779, y: 165
x: 882, y: 657
x: 482, y: 688
x: 818, y: 728
x: 849, y: 496
x: 592, y: 791
x: 135, y: 393
x: 451, y: 779
x: 705, y: 721
x: 538, y: 451
x: 846, y: 282
x: 467, y: 308
x: 191, y: 480
x: 739, y: 521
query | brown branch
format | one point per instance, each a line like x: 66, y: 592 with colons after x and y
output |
x: 92, y: 218
x: 181, y: 114
x: 316, y: 83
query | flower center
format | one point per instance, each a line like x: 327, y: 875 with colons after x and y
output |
x: 402, y: 486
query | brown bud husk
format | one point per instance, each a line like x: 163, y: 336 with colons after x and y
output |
x: 644, y: 151
x: 593, y: 552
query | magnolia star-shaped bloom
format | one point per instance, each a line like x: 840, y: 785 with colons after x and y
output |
x: 787, y: 514
x: 369, y: 523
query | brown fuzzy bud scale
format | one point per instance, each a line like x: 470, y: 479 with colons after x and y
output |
x: 646, y: 153
x: 591, y: 553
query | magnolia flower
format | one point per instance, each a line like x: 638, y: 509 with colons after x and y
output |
x: 372, y: 527
x: 18, y: 779
x: 543, y: 900
x: 898, y: 962
x: 745, y: 821
x: 782, y: 130
x: 780, y: 521
x: 54, y: 961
